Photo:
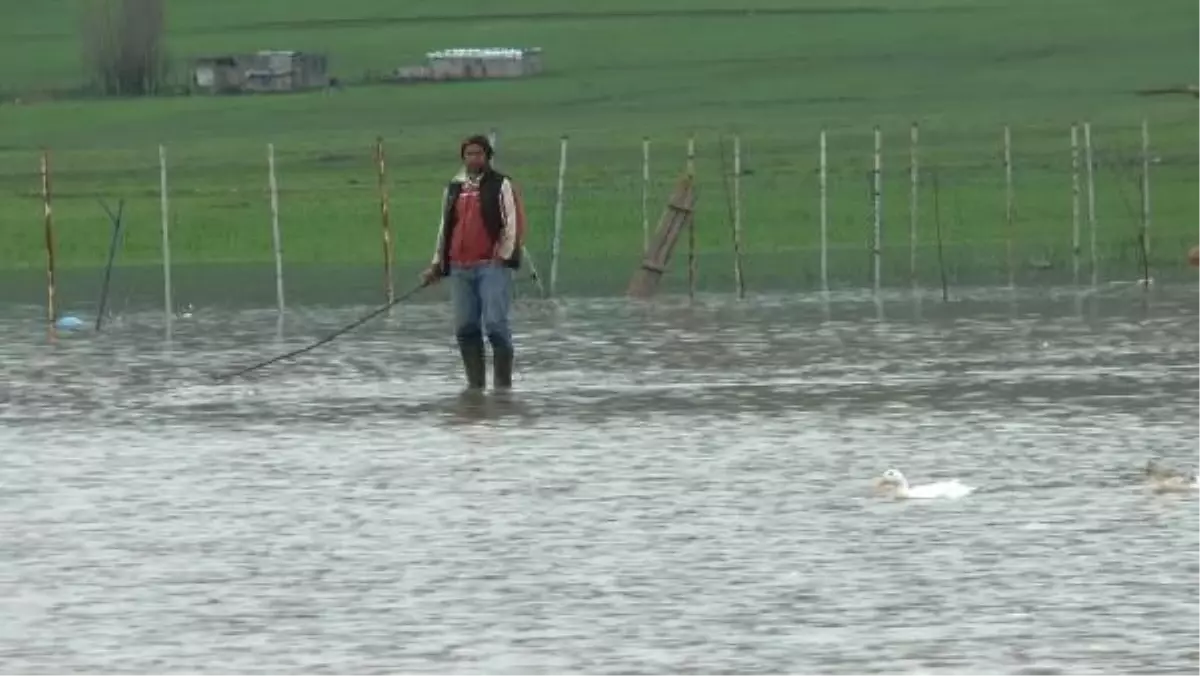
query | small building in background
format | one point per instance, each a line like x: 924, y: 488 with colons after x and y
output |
x: 264, y: 71
x: 473, y: 64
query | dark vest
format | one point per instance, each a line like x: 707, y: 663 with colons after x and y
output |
x: 490, y: 208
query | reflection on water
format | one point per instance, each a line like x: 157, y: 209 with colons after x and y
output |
x: 668, y: 488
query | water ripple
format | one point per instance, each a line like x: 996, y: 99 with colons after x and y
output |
x: 669, y: 489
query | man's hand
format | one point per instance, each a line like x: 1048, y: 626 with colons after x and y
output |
x: 431, y: 275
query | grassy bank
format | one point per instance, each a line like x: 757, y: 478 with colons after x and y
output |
x: 775, y: 77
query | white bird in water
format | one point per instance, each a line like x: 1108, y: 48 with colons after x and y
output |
x: 1155, y: 471
x: 1166, y: 480
x: 1174, y: 484
x: 894, y: 479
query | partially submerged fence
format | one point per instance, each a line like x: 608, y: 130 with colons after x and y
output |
x: 842, y: 209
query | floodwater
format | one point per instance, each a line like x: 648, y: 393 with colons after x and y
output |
x: 669, y: 489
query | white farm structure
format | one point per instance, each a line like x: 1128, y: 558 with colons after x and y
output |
x: 473, y: 64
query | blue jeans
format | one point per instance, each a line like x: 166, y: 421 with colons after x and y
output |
x: 481, y: 295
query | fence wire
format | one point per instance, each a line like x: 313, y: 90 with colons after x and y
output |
x: 219, y: 212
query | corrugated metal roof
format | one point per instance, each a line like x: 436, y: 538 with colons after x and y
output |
x: 483, y: 53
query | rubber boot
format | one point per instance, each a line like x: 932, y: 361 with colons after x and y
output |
x: 473, y: 363
x: 502, y: 367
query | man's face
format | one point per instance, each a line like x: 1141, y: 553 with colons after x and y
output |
x: 475, y: 158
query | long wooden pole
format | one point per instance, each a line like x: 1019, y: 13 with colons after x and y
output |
x: 166, y: 238
x: 645, y: 194
x: 1091, y: 197
x: 1146, y: 188
x: 823, y: 180
x: 877, y: 195
x: 692, y: 264
x: 914, y: 136
x: 48, y: 226
x: 389, y: 288
x: 276, y: 241
x: 556, y: 245
x: 736, y: 199
x: 1075, y: 211
x: 1008, y: 206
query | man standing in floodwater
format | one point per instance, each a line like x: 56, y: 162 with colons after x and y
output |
x: 479, y: 248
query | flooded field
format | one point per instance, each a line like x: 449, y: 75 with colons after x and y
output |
x: 668, y: 489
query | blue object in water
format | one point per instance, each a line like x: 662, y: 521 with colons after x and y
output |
x: 69, y: 323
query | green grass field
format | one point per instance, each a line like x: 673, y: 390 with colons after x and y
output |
x: 615, y: 72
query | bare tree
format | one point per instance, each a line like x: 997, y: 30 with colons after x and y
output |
x: 123, y: 46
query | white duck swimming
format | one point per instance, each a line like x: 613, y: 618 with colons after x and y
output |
x: 942, y: 489
x: 1155, y: 471
x: 1174, y: 484
x: 1166, y: 480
